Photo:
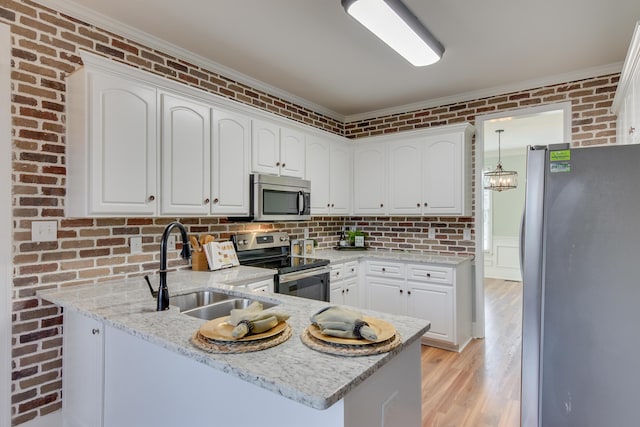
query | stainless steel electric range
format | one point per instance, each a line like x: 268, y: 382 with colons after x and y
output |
x: 297, y: 276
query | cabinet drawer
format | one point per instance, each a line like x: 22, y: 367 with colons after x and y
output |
x: 350, y: 269
x: 443, y: 275
x: 336, y: 272
x: 386, y: 269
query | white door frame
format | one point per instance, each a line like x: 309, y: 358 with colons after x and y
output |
x: 6, y: 226
x: 478, y: 326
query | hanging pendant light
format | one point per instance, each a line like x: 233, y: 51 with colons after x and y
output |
x: 500, y: 179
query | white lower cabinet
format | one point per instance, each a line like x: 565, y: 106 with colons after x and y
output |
x: 345, y: 288
x: 440, y: 294
x: 83, y: 376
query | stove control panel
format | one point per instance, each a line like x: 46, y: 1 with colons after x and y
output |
x: 251, y: 241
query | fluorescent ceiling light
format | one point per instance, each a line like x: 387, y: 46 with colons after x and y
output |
x: 393, y: 23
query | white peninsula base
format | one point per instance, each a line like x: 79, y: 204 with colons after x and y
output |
x: 148, y: 385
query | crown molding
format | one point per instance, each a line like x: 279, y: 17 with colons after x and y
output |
x: 92, y: 17
x: 493, y: 91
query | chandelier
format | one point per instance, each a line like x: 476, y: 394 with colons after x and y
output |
x: 500, y: 179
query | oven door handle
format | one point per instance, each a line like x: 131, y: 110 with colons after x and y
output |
x: 290, y: 277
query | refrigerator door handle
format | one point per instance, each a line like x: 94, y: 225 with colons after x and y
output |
x: 532, y: 289
x: 522, y: 239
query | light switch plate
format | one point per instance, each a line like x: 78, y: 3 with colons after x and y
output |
x: 466, y: 234
x: 136, y: 245
x: 44, y: 231
x: 171, y: 243
x: 432, y: 233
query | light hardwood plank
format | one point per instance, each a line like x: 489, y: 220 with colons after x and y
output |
x: 480, y: 386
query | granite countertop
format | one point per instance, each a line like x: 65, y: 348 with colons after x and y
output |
x: 345, y: 255
x: 285, y: 369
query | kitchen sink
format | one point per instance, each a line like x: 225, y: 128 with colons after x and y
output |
x: 209, y: 304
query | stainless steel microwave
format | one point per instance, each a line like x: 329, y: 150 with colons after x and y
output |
x: 279, y: 198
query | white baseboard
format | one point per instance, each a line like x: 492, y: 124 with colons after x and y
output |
x: 54, y: 419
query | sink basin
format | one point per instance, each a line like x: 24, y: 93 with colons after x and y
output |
x: 209, y: 305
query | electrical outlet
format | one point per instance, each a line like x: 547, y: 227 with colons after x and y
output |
x: 466, y: 234
x: 306, y: 233
x: 136, y: 245
x: 432, y: 233
x: 171, y: 243
x: 44, y: 231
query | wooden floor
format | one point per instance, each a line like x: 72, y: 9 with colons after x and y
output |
x: 480, y: 386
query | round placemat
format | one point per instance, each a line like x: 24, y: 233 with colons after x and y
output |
x: 210, y: 346
x: 350, y: 350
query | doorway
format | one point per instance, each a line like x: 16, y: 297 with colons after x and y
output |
x: 498, y: 214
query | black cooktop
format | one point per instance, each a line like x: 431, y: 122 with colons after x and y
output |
x: 288, y: 264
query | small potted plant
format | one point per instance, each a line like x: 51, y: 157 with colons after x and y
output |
x: 355, y: 238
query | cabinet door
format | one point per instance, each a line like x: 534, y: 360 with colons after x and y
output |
x: 434, y: 303
x: 230, y: 163
x: 83, y: 359
x: 186, y: 158
x: 336, y: 293
x: 370, y: 181
x: 292, y: 157
x: 442, y: 174
x: 405, y: 177
x: 351, y: 292
x: 317, y: 171
x: 123, y: 154
x: 265, y: 148
x: 340, y: 180
x: 386, y: 295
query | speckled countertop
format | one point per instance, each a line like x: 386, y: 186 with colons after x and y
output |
x: 290, y: 369
x: 345, y: 255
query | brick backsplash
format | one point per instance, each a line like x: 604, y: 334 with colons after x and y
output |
x: 45, y: 47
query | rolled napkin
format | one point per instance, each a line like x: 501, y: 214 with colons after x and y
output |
x: 344, y: 323
x: 253, y: 320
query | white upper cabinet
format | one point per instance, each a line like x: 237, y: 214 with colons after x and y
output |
x: 626, y: 103
x: 291, y: 153
x: 230, y: 163
x: 370, y: 179
x: 405, y: 177
x: 277, y: 150
x: 328, y: 167
x: 443, y: 161
x: 318, y: 154
x: 186, y: 156
x: 430, y: 173
x: 111, y: 147
x: 341, y: 188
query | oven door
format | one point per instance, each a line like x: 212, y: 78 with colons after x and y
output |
x: 312, y: 284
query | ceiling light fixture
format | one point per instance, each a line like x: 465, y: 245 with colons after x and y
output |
x: 500, y: 179
x: 393, y: 23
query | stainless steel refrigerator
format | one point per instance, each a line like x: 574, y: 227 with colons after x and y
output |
x: 581, y: 280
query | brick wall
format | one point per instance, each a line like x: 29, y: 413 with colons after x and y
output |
x: 45, y: 47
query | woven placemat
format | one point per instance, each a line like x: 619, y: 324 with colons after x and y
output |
x: 350, y: 350
x: 231, y: 347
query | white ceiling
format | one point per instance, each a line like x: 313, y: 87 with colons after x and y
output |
x: 314, y: 52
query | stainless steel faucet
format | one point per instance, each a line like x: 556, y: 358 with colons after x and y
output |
x: 163, y: 292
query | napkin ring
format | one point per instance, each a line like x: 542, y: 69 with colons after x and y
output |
x: 357, y: 325
x: 248, y: 324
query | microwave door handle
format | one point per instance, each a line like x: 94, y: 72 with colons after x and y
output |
x: 301, y: 203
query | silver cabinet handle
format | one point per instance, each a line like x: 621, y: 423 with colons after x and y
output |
x: 152, y: 198
x: 631, y: 130
x: 206, y: 201
x: 95, y: 331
